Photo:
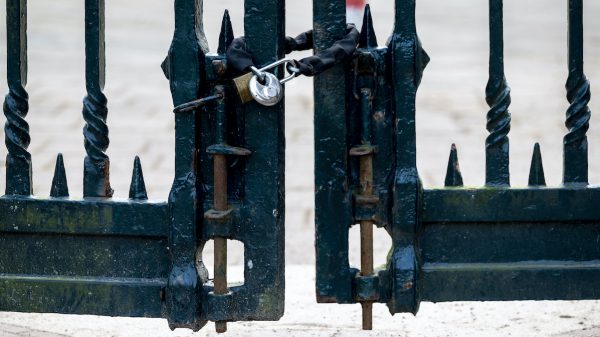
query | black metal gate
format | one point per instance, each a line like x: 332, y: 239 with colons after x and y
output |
x: 453, y: 243
x: 137, y: 257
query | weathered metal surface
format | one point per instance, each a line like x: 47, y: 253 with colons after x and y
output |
x: 16, y: 106
x: 137, y: 257
x: 497, y: 96
x: 578, y: 94
x: 96, y: 168
x: 452, y: 243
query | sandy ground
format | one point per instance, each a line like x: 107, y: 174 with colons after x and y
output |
x: 451, y: 108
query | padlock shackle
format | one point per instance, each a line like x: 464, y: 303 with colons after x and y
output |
x: 260, y: 72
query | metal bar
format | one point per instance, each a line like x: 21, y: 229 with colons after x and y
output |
x: 366, y: 237
x: 84, y: 217
x: 366, y: 190
x: 264, y: 180
x: 16, y: 106
x: 220, y: 204
x: 497, y: 95
x: 333, y: 281
x: 561, y: 280
x: 128, y: 297
x: 511, y: 205
x: 575, y: 158
x: 187, y: 55
x: 509, y: 242
x: 96, y: 170
x: 408, y: 63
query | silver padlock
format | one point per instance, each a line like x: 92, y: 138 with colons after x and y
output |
x: 264, y: 87
x: 266, y: 90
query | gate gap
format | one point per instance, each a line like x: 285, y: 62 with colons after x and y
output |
x: 451, y: 104
x: 140, y: 121
x: 235, y: 261
x: 300, y: 154
x: 56, y: 87
x: 382, y: 243
x: 536, y: 70
x: 591, y: 50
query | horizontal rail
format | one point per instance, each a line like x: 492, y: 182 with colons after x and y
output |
x: 84, y: 217
x: 132, y: 297
x: 561, y: 280
x: 511, y: 205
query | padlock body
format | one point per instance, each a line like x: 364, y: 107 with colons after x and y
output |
x: 242, y: 86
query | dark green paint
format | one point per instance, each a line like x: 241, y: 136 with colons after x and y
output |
x: 96, y: 166
x: 136, y: 257
x: 16, y: 105
x: 497, y: 96
x: 451, y: 243
x: 575, y: 158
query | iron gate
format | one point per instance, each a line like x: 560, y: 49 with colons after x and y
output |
x: 137, y: 257
x: 454, y: 243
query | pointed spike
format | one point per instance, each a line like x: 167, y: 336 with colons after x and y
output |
x: 368, y: 38
x: 59, y: 187
x: 536, y: 172
x: 137, y: 190
x: 226, y: 36
x: 453, y: 175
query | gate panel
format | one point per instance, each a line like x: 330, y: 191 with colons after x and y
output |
x: 452, y: 243
x: 136, y: 257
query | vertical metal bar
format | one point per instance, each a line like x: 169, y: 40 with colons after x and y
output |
x: 264, y: 183
x: 366, y: 190
x: 220, y: 204
x: 186, y: 65
x: 497, y: 97
x: 333, y: 200
x: 575, y: 158
x: 96, y: 169
x: 16, y: 106
x: 408, y: 62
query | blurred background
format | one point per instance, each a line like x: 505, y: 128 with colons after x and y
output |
x: 451, y: 108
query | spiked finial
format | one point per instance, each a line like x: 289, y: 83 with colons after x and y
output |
x: 226, y: 36
x: 368, y: 39
x: 59, y: 187
x: 536, y: 172
x: 137, y: 190
x: 453, y: 175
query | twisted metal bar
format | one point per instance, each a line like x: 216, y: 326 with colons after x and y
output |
x: 498, y: 99
x: 575, y: 158
x: 498, y: 117
x: 16, y: 106
x: 578, y: 113
x: 95, y: 130
x: 96, y: 178
x: 17, y: 141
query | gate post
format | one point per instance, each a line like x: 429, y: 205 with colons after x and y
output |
x: 408, y: 61
x: 186, y: 66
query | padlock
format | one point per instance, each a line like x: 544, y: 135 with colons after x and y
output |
x: 242, y: 85
x: 262, y: 86
x: 267, y: 93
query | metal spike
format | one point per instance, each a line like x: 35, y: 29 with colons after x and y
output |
x: 59, y: 187
x: 226, y: 36
x: 536, y: 172
x: 137, y: 190
x: 453, y: 175
x: 368, y: 38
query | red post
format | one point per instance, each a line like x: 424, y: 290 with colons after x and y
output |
x: 354, y: 11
